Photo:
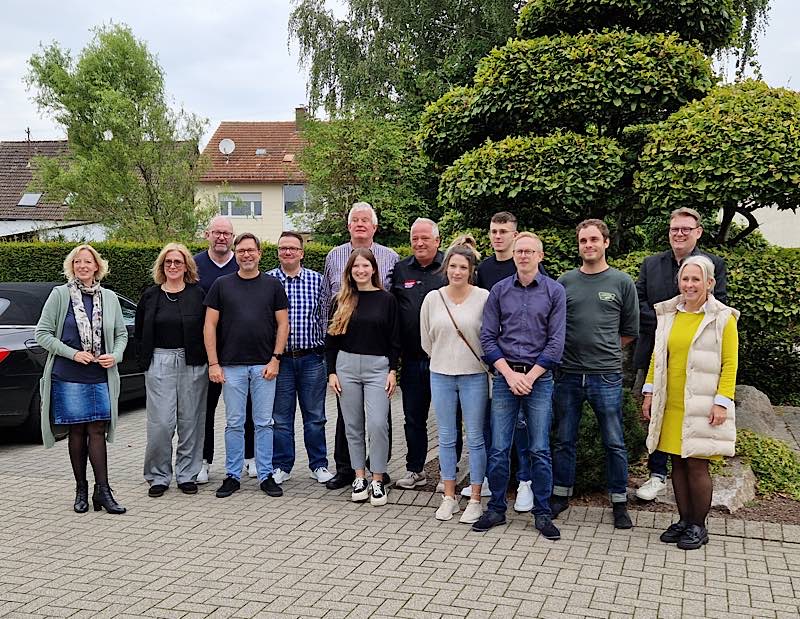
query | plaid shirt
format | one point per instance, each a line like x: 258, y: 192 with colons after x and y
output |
x: 304, y: 290
x: 337, y: 259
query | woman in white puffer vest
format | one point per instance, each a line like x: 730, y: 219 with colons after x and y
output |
x: 689, y: 391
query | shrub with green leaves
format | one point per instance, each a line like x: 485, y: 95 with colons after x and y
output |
x: 775, y: 465
x: 447, y: 126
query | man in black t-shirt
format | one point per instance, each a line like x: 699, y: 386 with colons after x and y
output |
x: 249, y: 310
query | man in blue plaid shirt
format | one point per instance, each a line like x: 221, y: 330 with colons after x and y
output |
x: 302, y: 371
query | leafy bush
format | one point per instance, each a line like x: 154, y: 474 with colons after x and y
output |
x: 711, y: 22
x: 447, y: 127
x: 775, y: 465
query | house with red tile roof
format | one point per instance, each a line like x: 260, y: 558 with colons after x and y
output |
x: 253, y: 176
x: 27, y: 214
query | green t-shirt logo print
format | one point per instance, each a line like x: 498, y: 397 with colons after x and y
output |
x: 607, y: 296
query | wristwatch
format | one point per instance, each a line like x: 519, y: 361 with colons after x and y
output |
x: 278, y: 355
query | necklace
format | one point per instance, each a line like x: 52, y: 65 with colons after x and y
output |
x: 169, y: 298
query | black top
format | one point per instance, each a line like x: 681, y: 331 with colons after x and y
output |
x: 374, y: 329
x: 208, y: 271
x: 658, y: 281
x: 410, y: 283
x: 71, y: 371
x: 492, y: 270
x: 153, y: 315
x: 247, y: 326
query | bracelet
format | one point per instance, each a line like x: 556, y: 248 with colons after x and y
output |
x: 211, y: 365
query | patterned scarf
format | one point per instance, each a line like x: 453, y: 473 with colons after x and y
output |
x: 91, y: 333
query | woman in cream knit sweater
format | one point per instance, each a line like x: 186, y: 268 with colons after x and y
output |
x: 688, y: 395
x: 457, y: 374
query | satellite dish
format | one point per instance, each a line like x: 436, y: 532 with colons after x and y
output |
x: 227, y: 146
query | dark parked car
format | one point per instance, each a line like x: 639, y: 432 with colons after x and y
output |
x: 22, y: 359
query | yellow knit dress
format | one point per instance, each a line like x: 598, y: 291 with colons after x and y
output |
x: 680, y: 339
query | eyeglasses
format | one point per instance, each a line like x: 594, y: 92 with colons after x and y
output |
x: 242, y: 252
x: 525, y: 252
x: 171, y: 263
x: 683, y: 231
x: 224, y: 235
x: 289, y: 250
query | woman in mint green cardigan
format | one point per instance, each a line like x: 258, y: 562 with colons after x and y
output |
x: 81, y: 328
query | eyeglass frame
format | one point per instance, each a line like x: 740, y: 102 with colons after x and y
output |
x: 684, y: 230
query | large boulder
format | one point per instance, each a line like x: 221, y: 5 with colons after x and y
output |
x: 732, y: 490
x: 754, y: 412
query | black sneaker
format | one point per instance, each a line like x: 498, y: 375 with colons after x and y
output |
x: 228, y: 487
x: 674, y: 532
x: 488, y: 520
x: 188, y: 487
x: 693, y: 537
x: 360, y: 491
x: 378, y: 491
x: 156, y: 490
x: 621, y: 518
x: 546, y: 527
x: 271, y: 487
x: 558, y: 504
x: 338, y: 481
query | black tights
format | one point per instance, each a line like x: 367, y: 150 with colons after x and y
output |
x: 691, y: 482
x: 88, y: 440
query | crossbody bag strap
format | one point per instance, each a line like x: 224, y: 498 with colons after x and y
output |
x: 460, y: 334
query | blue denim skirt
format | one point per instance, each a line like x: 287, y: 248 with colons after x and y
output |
x: 79, y: 402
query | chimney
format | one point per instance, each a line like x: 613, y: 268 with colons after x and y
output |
x: 300, y: 115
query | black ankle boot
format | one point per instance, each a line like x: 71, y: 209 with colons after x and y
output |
x: 102, y: 497
x: 621, y: 518
x: 81, y: 497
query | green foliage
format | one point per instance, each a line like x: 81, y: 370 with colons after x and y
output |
x: 711, y: 22
x: 591, y: 455
x: 447, y: 126
x: 347, y: 160
x: 775, y: 465
x: 394, y: 55
x: 140, y: 182
x: 604, y: 81
x: 559, y: 178
x: 738, y: 148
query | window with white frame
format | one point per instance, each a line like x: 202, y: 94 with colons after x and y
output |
x: 240, y: 204
x: 294, y: 207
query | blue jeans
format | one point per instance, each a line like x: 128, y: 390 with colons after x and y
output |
x: 239, y: 380
x: 521, y: 448
x: 303, y: 379
x: 603, y: 392
x: 472, y: 390
x: 537, y: 408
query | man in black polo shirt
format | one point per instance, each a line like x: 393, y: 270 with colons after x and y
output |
x: 412, y: 279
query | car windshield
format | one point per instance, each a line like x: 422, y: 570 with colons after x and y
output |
x: 19, y: 308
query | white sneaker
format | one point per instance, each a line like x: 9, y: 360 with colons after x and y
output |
x: 202, y: 476
x: 650, y: 489
x: 321, y: 474
x: 448, y: 507
x: 472, y: 512
x: 440, y: 488
x: 467, y: 490
x: 280, y: 476
x: 250, y: 467
x: 411, y: 480
x: 524, y: 502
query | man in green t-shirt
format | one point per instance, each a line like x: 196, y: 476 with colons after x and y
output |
x: 602, y: 317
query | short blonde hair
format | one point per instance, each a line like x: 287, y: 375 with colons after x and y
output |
x: 190, y: 276
x: 706, y: 266
x: 102, y: 265
x: 529, y: 235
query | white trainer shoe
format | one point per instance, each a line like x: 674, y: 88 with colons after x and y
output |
x: 411, y: 480
x: 280, y: 476
x: 524, y: 502
x: 202, y: 476
x: 650, y: 489
x: 250, y: 467
x: 321, y: 474
x: 448, y: 507
x: 472, y: 512
x: 467, y: 490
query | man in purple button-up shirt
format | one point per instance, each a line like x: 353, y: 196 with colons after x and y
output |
x: 522, y: 337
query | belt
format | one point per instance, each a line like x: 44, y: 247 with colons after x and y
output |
x: 302, y: 352
x: 523, y: 368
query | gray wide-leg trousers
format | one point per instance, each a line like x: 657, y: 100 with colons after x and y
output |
x: 364, y: 399
x: 176, y: 398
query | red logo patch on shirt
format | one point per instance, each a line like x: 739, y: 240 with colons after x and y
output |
x: 409, y: 283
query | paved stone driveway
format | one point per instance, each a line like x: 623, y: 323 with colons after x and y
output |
x: 312, y: 553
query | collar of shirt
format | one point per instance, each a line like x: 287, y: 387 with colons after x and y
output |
x: 682, y: 308
x: 283, y: 276
x: 537, y: 280
x: 436, y: 263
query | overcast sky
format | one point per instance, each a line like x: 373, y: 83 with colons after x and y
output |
x: 228, y: 61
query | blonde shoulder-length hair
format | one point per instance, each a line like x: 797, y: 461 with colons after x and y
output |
x: 190, y: 276
x: 102, y: 265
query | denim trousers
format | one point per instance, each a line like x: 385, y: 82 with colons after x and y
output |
x: 603, y: 392
x: 239, y: 381
x: 537, y: 408
x: 304, y: 379
x: 472, y: 391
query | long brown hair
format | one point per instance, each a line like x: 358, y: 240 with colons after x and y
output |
x: 347, y: 297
